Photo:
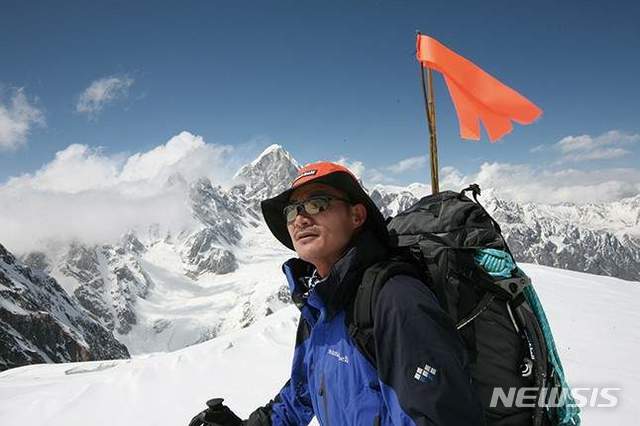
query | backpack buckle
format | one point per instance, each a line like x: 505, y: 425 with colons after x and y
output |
x: 514, y: 286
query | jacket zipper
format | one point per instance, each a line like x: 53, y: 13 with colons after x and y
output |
x: 325, y: 404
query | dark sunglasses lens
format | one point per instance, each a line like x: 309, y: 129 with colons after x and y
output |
x: 312, y: 206
x: 316, y: 205
x: 290, y: 212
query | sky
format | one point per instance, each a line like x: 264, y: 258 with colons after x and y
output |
x: 87, y: 89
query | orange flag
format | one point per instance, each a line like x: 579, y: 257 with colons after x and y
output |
x: 476, y: 95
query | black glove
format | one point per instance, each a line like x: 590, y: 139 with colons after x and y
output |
x: 217, y: 414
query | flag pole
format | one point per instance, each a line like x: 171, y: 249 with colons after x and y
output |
x: 430, y: 110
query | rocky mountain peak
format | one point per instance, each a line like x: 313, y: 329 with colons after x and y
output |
x: 217, y: 209
x: 37, y: 261
x: 273, y: 153
x: 6, y: 256
x: 130, y: 243
x: 40, y: 322
x: 269, y: 174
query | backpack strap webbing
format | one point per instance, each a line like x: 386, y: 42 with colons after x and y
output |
x: 363, y: 308
x: 480, y: 308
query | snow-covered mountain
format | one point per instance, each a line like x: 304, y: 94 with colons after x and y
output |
x: 161, y: 290
x: 40, y: 322
x: 601, y: 239
x: 593, y: 319
x: 269, y: 174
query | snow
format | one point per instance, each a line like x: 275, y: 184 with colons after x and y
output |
x: 247, y: 368
x: 180, y: 311
x: 594, y: 319
x: 10, y: 306
x: 273, y: 148
x: 558, y: 241
x: 617, y: 217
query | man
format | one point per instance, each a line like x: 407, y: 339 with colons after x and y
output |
x: 421, y: 373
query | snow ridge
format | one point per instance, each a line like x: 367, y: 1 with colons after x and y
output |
x: 40, y: 322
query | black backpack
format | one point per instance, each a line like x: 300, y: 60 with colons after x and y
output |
x: 435, y: 240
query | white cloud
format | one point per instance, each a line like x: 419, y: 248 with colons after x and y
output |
x: 86, y: 194
x: 76, y: 168
x: 356, y: 167
x: 36, y: 218
x: 102, y: 92
x: 607, y: 146
x: 90, y: 195
x: 523, y: 183
x: 16, y: 120
x: 80, y: 168
x: 408, y: 164
x: 185, y: 153
x: 383, y: 175
x: 451, y: 178
x: 598, y: 154
x: 368, y: 176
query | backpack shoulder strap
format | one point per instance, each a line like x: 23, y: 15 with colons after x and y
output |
x: 362, y: 311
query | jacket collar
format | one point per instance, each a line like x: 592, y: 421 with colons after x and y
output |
x: 338, y: 289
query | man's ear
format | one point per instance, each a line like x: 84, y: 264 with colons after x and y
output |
x: 358, y: 214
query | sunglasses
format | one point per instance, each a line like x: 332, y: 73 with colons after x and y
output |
x: 312, y: 206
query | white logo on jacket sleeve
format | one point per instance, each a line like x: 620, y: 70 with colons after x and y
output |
x: 339, y: 356
x: 425, y: 374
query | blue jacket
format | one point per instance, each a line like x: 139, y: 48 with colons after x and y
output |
x: 421, y: 376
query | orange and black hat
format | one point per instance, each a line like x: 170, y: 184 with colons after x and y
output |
x: 334, y: 175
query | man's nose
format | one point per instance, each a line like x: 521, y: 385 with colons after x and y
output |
x: 302, y: 217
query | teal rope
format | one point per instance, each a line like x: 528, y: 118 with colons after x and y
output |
x: 568, y: 413
x: 500, y: 264
x: 497, y: 263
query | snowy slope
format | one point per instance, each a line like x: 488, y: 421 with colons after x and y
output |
x: 594, y: 319
x: 180, y: 311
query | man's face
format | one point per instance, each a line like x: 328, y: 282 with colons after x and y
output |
x: 320, y: 239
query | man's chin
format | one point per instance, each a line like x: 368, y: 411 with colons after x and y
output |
x: 309, y: 251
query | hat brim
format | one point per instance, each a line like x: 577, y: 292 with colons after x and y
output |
x: 272, y: 208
